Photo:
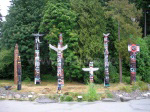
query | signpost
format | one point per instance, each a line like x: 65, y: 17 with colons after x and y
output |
x: 106, y: 63
x: 19, y: 71
x: 133, y: 49
x: 37, y: 79
x: 91, y: 70
x: 60, y: 62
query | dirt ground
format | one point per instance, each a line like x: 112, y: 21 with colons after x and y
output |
x: 51, y: 87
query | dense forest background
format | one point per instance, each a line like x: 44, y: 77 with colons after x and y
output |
x: 82, y: 23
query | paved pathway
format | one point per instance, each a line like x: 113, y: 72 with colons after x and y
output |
x: 25, y: 106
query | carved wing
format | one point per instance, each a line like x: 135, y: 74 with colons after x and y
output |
x: 65, y: 47
x: 86, y: 69
x: 95, y: 69
x: 106, y: 34
x: 53, y: 47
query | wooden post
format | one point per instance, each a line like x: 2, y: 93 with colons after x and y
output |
x: 16, y: 52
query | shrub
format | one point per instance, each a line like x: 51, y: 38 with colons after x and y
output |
x: 142, y: 86
x: 92, y: 93
x: 27, y: 79
x: 62, y: 98
x: 127, y: 89
x: 68, y: 98
x: 126, y: 79
x: 135, y: 86
x: 108, y: 94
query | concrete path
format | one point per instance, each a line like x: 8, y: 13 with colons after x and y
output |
x: 25, y: 106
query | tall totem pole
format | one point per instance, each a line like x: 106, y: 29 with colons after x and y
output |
x: 91, y: 70
x: 62, y: 59
x: 16, y: 52
x: 60, y: 73
x: 37, y: 79
x: 106, y: 63
x: 133, y: 49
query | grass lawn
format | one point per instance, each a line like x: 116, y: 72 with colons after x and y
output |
x: 51, y: 87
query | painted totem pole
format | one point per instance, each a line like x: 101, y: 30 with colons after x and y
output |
x: 91, y: 70
x: 19, y: 71
x: 37, y: 79
x: 60, y: 62
x: 133, y: 49
x: 106, y: 63
x: 16, y: 52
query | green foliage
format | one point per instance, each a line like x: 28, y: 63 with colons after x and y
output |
x: 108, y: 94
x: 142, y: 86
x: 49, y: 77
x: 6, y: 58
x: 92, y: 93
x: 126, y: 88
x: 27, y: 79
x: 126, y: 79
x: 123, y: 12
x: 143, y: 60
x: 23, y: 20
x: 68, y: 98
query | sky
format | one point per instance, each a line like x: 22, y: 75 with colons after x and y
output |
x: 4, y: 7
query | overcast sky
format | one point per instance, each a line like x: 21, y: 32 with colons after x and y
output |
x: 4, y: 7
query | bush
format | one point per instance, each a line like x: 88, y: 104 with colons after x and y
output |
x: 68, y: 98
x: 108, y: 94
x: 92, y: 93
x: 135, y: 86
x: 27, y: 79
x: 126, y: 79
x: 127, y: 89
x: 142, y: 86
x: 62, y: 98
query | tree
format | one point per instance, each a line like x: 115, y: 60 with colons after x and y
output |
x: 58, y: 17
x: 91, y: 26
x: 23, y: 20
x: 127, y: 16
x: 143, y: 59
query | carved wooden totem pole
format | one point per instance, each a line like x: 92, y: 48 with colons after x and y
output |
x: 16, y: 52
x: 37, y: 79
x: 19, y: 71
x: 60, y: 62
x: 133, y: 49
x: 106, y: 63
x: 91, y: 70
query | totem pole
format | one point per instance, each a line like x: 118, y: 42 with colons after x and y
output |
x: 59, y: 51
x: 106, y: 63
x: 62, y: 60
x: 91, y: 70
x: 37, y: 79
x: 16, y: 52
x: 19, y: 71
x: 133, y: 49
